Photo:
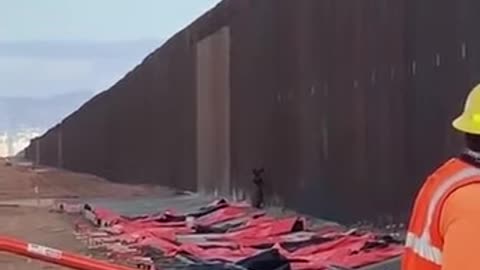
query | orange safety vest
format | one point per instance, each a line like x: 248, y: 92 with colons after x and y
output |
x: 424, y: 243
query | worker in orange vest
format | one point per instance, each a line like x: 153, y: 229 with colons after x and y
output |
x: 444, y: 230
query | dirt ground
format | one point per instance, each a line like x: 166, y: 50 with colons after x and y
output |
x: 36, y: 226
x: 19, y: 182
x: 20, y: 190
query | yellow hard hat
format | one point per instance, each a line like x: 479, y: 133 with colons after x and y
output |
x: 469, y: 121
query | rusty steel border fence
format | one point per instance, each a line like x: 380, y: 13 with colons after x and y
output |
x: 346, y: 104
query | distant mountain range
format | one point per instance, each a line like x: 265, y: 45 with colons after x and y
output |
x: 21, y: 113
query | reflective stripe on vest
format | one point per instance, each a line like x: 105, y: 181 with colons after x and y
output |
x: 423, y: 248
x: 422, y: 245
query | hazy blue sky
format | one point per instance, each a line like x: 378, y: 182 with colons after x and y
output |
x: 57, y: 46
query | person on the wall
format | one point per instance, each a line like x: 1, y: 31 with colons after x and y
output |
x: 444, y: 230
x: 258, y: 200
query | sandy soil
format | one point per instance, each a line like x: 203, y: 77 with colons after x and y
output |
x: 18, y: 217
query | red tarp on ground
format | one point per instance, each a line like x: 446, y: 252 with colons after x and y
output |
x: 334, y: 248
x: 222, y: 215
x: 265, y: 228
x: 107, y: 215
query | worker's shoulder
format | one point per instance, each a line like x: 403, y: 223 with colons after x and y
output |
x: 462, y: 205
x: 466, y: 198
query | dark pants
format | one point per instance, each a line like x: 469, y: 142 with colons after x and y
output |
x: 258, y: 197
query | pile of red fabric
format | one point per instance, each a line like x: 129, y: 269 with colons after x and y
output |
x: 236, y: 232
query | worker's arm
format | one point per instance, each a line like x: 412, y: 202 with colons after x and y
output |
x: 460, y: 227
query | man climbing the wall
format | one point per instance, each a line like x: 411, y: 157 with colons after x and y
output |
x: 444, y: 230
x: 258, y: 182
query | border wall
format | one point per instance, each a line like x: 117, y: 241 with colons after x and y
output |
x: 346, y: 104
